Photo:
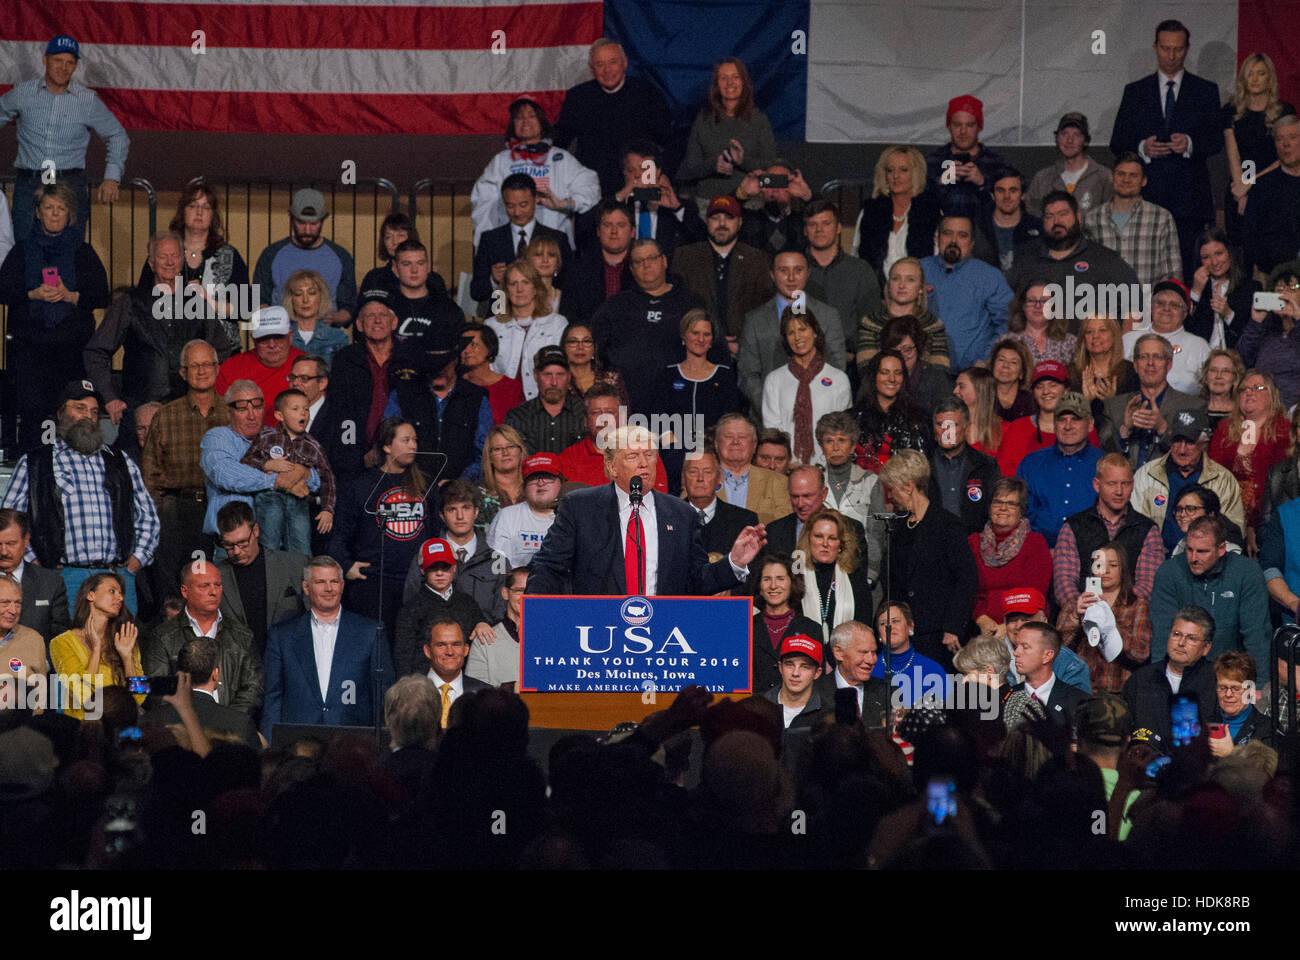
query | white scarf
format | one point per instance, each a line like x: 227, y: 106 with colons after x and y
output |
x: 812, y: 606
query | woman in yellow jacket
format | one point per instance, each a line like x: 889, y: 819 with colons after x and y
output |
x: 101, y: 649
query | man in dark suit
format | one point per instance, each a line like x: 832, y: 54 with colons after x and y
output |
x: 604, y: 546
x: 666, y: 219
x: 720, y: 522
x: 45, y: 598
x: 731, y: 277
x: 200, y: 658
x: 320, y: 667
x: 1172, y: 120
x: 808, y: 493
x: 446, y: 651
x: 260, y: 587
x: 961, y: 477
x: 503, y: 245
x: 1036, y: 648
x: 855, y: 650
x: 604, y: 269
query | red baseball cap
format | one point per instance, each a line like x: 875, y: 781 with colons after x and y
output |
x: 1050, y: 370
x: 436, y: 551
x: 541, y: 463
x: 803, y: 644
x: 1028, y: 601
x: 972, y: 105
x: 724, y: 204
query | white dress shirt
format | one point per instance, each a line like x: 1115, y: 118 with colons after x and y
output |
x: 314, y: 409
x: 1043, y: 692
x: 210, y: 693
x: 457, y: 686
x: 707, y: 514
x: 842, y: 684
x: 194, y: 625
x: 651, y: 546
x: 1164, y: 86
x: 324, y: 634
x: 470, y: 546
x: 18, y: 573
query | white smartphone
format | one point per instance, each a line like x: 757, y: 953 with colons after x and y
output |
x: 1092, y: 585
x: 1268, y: 301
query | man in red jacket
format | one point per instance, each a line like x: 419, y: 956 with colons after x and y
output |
x: 268, y: 363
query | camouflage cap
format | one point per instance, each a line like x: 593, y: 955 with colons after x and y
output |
x: 1103, y: 718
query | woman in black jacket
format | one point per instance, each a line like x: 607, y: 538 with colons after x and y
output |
x: 930, y: 565
x: 777, y: 594
x: 52, y: 282
x: 1221, y: 295
x: 888, y: 416
x: 900, y: 209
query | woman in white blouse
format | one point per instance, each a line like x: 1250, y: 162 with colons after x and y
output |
x: 797, y: 395
x: 526, y: 325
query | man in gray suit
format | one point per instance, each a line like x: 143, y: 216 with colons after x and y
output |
x: 45, y: 598
x: 261, y: 587
x: 1139, y: 424
x: 760, y: 341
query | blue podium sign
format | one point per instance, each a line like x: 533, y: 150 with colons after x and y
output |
x: 585, y: 644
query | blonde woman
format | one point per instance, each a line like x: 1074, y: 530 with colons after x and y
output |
x: 1099, y: 370
x: 900, y: 218
x: 1253, y: 437
x: 307, y: 298
x: 503, y: 473
x: 545, y: 254
x: 1220, y: 377
x: 1247, y: 134
x: 101, y: 649
x: 836, y: 586
x: 904, y: 296
x: 526, y: 326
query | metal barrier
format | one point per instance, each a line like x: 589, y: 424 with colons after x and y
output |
x: 857, y: 189
x: 455, y: 192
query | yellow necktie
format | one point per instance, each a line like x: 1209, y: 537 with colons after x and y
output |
x: 446, y: 703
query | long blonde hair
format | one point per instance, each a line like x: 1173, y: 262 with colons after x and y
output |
x: 1241, y: 98
x: 511, y: 435
x: 983, y: 413
x: 880, y: 185
x: 848, y: 559
x: 1082, y: 358
x: 1236, y: 422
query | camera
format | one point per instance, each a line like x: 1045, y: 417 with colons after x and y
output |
x: 644, y: 195
x: 774, y: 181
x: 962, y: 157
x: 163, y: 686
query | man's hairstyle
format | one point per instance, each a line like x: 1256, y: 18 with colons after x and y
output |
x: 1004, y: 172
x: 1060, y: 196
x: 10, y: 517
x: 952, y: 404
x: 161, y: 235
x: 409, y: 245
x: 600, y: 44
x: 199, y: 657
x: 816, y: 469
x: 1116, y: 460
x: 816, y: 207
x: 320, y: 560
x: 519, y: 181
x: 1209, y: 526
x: 1281, y: 123
x: 460, y: 490
x: 322, y: 366
x: 844, y: 633
x: 778, y: 437
x: 1236, y: 665
x: 641, y: 147
x: 1199, y: 616
x: 284, y: 396
x: 413, y: 712
x: 1130, y: 157
x: 983, y: 652
x: 727, y: 418
x: 442, y: 620
x: 242, y: 387
x: 609, y: 206
x: 191, y: 344
x: 623, y: 438
x: 1164, y: 344
x: 955, y: 216
x: 234, y: 515
x: 599, y: 390
x: 1050, y: 634
x: 1173, y: 26
x: 189, y: 571
x: 840, y: 421
x: 150, y: 405
x: 640, y: 242
x: 515, y: 573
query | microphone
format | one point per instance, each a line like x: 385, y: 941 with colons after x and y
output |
x: 634, y: 490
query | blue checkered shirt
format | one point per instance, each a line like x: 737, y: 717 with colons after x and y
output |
x: 87, y: 512
x: 57, y: 127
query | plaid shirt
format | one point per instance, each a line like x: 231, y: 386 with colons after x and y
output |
x: 87, y: 512
x: 1148, y: 243
x: 1134, y: 624
x: 277, y: 443
x: 544, y: 434
x: 1065, y: 563
x: 171, y: 454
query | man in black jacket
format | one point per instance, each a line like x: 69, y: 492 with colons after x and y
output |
x: 503, y: 245
x: 1184, y: 672
x: 479, y: 572
x: 666, y: 219
x: 808, y: 493
x: 961, y: 477
x: 855, y: 649
x: 1036, y: 648
x: 200, y: 657
x: 438, y: 597
x: 604, y: 270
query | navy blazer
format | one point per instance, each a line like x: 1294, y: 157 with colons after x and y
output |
x: 1062, y: 703
x: 585, y: 546
x: 1180, y: 185
x: 45, y: 602
x: 498, y: 245
x: 293, y: 686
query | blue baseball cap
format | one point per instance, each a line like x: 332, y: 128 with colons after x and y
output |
x: 63, y: 44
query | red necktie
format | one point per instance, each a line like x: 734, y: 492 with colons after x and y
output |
x: 633, y: 555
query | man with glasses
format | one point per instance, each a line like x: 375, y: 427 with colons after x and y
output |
x: 222, y: 448
x: 261, y: 587
x: 1181, y: 670
x: 1137, y: 424
x: 270, y: 360
x: 170, y: 465
x: 1170, y: 303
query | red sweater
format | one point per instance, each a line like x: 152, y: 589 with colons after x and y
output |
x: 1251, y: 471
x: 1031, y: 567
x: 272, y: 380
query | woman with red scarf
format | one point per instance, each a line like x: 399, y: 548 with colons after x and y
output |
x: 797, y: 395
x: 1008, y: 555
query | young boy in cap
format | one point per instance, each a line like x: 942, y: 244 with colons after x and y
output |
x: 283, y: 518
x: 800, y: 664
x: 517, y: 531
x: 437, y: 596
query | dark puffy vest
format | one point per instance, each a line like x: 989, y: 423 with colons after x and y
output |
x: 45, y: 506
x: 1090, y: 533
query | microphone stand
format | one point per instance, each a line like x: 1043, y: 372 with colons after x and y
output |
x: 636, y: 497
x: 888, y: 519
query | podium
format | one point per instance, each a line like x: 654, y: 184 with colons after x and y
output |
x: 592, y: 662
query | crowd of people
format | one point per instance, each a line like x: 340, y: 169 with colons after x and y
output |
x: 1011, y: 564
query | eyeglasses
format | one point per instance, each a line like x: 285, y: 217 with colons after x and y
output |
x: 1038, y: 301
x: 1227, y: 689
x: 1008, y: 504
x: 1258, y: 386
x: 1187, y: 511
x: 206, y: 365
x: 243, y: 405
x: 230, y: 545
x: 1193, y: 638
x: 299, y: 378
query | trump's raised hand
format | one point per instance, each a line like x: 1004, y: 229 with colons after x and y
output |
x: 748, y: 545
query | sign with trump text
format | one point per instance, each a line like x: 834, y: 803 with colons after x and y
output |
x: 635, y: 644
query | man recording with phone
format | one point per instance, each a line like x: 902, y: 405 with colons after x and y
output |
x: 777, y: 225
x: 657, y: 212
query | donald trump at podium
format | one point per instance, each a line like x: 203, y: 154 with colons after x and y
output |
x: 623, y: 539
